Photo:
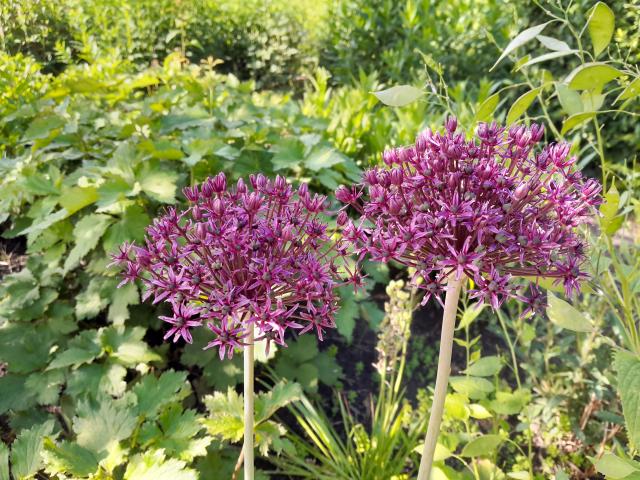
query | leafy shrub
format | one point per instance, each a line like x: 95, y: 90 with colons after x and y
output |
x: 270, y: 41
x: 90, y: 157
x: 387, y: 36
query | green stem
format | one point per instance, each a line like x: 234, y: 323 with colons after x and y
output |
x: 248, y: 407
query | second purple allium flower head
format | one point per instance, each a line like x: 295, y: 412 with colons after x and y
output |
x: 492, y: 208
x: 252, y: 256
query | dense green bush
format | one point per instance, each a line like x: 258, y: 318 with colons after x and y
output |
x: 388, y: 37
x: 271, y: 42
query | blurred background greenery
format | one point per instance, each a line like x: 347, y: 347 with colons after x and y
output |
x: 109, y: 107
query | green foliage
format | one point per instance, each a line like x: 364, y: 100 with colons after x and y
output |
x: 389, y: 37
x: 225, y: 419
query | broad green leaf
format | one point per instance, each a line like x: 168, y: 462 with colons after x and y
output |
x: 520, y: 475
x: 630, y: 91
x: 346, y: 316
x: 610, y: 221
x: 176, y: 431
x: 456, y: 406
x: 225, y: 415
x: 569, y: 99
x: 98, y: 426
x: 601, y: 25
x: 592, y: 76
x: 508, y: 403
x: 485, y: 367
x: 39, y: 225
x: 520, y: 39
x: 473, y: 387
x: 485, y: 445
x: 152, y: 465
x: 96, y: 379
x: 470, y: 314
x: 127, y: 347
x: 40, y: 184
x: 576, y: 120
x: 441, y: 453
x: 478, y: 411
x: 130, y: 227
x: 323, y: 157
x: 68, y: 457
x: 86, y: 233
x: 82, y: 349
x: 522, y: 103
x: 614, y: 467
x: 546, y: 56
x: 628, y: 369
x: 159, y: 184
x: 279, y: 396
x: 288, y: 153
x: 553, y: 43
x: 486, y: 108
x: 121, y: 299
x: 42, y: 127
x: 26, y: 450
x: 45, y: 386
x: 592, y: 101
x: 153, y: 393
x: 566, y: 316
x: 399, y: 95
x: 76, y: 198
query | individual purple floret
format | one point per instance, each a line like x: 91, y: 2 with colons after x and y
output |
x: 255, y: 255
x: 491, y: 208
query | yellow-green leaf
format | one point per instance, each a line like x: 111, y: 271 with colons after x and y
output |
x: 630, y: 91
x: 576, y: 120
x: 399, y: 95
x: 601, y: 25
x: 566, y: 316
x: 487, y: 107
x: 592, y: 76
x: 485, y: 445
x: 521, y: 105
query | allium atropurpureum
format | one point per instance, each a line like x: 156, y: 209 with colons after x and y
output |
x: 255, y: 255
x: 492, y: 207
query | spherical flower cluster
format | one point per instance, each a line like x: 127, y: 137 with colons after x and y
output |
x: 492, y: 208
x: 253, y: 256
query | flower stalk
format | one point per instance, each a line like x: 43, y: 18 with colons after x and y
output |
x: 248, y: 408
x: 442, y: 376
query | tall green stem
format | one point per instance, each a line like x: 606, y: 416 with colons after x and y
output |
x: 248, y: 407
x: 442, y: 376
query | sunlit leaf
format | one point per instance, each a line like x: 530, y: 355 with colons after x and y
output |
x: 520, y: 39
x: 630, y: 91
x: 485, y: 367
x: 566, y: 316
x: 399, y: 95
x: 553, y: 43
x: 592, y: 76
x: 628, y: 368
x: 486, y: 108
x: 615, y: 467
x: 601, y: 25
x: 483, y: 446
x: 576, y: 120
x: 569, y: 99
x: 546, y: 56
x: 522, y: 103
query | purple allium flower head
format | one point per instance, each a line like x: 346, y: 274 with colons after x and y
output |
x: 253, y: 256
x: 492, y: 208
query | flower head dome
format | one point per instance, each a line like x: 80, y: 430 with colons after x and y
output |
x: 252, y: 256
x: 492, y: 207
